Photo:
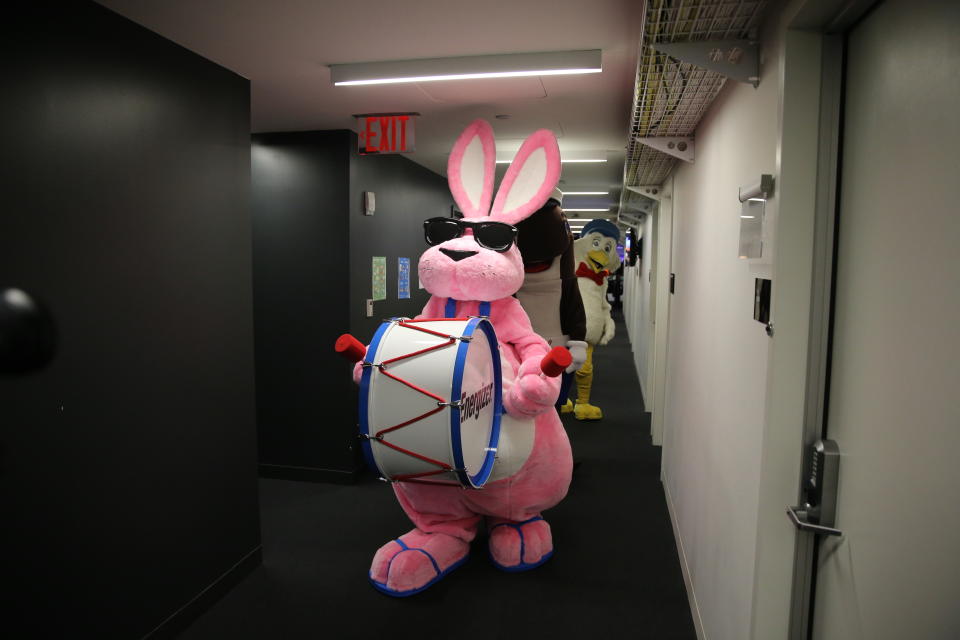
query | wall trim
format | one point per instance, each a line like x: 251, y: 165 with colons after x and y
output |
x: 183, y: 617
x: 684, y: 567
x: 308, y: 474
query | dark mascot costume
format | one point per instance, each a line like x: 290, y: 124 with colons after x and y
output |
x: 550, y: 294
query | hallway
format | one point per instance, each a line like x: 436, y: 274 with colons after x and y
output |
x: 202, y: 197
x: 615, y: 573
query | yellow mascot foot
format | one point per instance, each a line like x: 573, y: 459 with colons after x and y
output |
x: 567, y: 408
x: 587, y: 412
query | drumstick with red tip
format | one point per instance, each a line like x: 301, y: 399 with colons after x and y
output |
x: 350, y: 348
x: 555, y: 362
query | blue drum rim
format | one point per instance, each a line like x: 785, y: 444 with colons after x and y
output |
x: 365, y: 445
x: 483, y: 474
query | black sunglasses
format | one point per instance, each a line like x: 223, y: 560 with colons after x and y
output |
x: 498, y: 236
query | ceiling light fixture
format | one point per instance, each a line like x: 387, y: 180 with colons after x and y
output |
x: 564, y: 161
x: 585, y: 193
x: 607, y: 210
x: 553, y: 63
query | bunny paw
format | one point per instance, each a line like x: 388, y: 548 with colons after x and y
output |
x: 532, y: 393
x: 520, y: 546
x: 415, y: 561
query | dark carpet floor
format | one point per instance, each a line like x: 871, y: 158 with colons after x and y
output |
x: 615, y: 572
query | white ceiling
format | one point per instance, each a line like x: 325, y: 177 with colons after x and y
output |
x: 283, y: 47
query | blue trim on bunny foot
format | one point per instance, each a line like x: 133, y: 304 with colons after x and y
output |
x: 384, y: 589
x: 521, y: 566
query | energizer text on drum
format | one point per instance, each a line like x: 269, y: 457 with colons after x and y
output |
x: 472, y: 405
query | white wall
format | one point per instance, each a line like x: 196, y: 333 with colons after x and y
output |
x: 633, y: 304
x: 717, y: 358
x: 638, y: 308
x: 643, y: 352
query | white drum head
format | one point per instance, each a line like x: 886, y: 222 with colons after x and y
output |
x: 403, y: 438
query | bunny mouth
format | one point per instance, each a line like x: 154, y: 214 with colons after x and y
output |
x: 457, y: 256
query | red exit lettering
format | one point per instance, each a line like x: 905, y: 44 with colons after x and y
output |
x: 386, y: 134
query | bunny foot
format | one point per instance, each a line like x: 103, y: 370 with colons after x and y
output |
x: 584, y: 411
x: 415, y: 561
x: 520, y: 546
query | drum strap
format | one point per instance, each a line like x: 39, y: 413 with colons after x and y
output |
x: 450, y: 310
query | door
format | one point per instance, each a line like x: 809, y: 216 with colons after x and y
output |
x: 662, y: 253
x: 894, y: 389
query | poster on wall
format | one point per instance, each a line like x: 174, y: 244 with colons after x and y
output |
x: 379, y: 278
x: 403, y: 278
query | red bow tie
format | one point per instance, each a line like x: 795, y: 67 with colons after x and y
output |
x: 583, y: 271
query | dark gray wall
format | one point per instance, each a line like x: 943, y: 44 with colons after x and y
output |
x: 301, y: 288
x: 406, y: 195
x: 312, y: 275
x: 128, y: 475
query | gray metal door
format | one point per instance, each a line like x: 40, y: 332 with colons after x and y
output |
x: 894, y: 389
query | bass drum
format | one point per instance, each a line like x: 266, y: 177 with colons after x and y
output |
x: 431, y: 401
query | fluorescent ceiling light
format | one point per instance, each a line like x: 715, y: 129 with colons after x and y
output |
x: 607, y: 210
x: 564, y: 161
x: 581, y: 220
x: 585, y: 193
x: 552, y: 63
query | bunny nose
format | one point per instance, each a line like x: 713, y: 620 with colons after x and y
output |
x: 457, y: 256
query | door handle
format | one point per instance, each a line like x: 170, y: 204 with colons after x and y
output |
x: 818, y: 493
x: 28, y: 335
x: 798, y: 515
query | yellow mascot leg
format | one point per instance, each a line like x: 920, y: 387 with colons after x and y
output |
x: 583, y: 410
x: 585, y: 378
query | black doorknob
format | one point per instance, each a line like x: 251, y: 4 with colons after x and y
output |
x: 28, y: 336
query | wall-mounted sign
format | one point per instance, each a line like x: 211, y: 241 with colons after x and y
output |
x: 379, y: 279
x: 386, y: 133
x: 403, y: 278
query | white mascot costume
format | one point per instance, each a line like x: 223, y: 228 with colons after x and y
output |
x: 595, y: 253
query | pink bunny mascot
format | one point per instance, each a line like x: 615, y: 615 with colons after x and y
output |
x: 532, y: 471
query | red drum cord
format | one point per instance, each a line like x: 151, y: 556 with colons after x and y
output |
x: 416, y: 353
x: 443, y: 467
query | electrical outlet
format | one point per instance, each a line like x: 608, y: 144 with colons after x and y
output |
x: 369, y: 307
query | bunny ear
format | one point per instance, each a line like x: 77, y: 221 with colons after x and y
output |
x: 471, y: 167
x: 530, y: 179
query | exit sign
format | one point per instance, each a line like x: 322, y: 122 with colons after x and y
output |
x: 386, y: 133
